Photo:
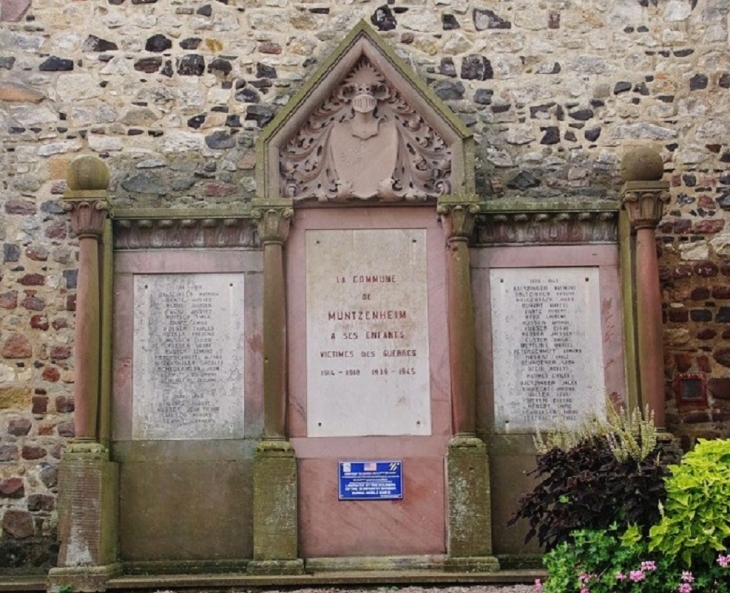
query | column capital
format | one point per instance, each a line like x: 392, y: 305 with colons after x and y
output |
x: 644, y: 202
x: 458, y: 214
x: 87, y: 198
x: 273, y: 218
x: 88, y: 213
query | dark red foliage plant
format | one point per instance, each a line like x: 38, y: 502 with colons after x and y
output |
x: 589, y: 486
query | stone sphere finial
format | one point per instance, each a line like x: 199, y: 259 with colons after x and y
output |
x: 87, y: 173
x: 642, y: 164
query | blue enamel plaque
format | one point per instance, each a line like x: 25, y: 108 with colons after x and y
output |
x: 371, y: 480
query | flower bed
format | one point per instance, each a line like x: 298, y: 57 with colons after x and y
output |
x: 615, y: 516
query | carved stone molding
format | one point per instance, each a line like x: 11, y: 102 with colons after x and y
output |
x: 365, y: 141
x: 546, y: 227
x: 87, y: 216
x: 146, y: 233
x: 644, y: 202
x: 458, y: 218
x: 272, y: 222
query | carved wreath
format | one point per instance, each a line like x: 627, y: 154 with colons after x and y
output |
x: 365, y: 141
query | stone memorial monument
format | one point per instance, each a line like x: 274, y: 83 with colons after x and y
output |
x: 345, y: 373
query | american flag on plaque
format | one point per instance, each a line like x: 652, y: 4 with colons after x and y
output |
x: 370, y: 466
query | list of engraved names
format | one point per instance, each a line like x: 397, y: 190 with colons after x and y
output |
x: 188, y: 356
x: 547, y: 347
x: 367, y: 333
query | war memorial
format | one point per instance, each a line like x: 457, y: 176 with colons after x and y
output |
x: 342, y: 370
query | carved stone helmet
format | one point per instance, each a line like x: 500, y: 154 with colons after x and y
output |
x: 364, y: 87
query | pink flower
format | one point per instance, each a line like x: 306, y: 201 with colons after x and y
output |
x: 685, y: 588
x: 538, y: 584
x: 687, y: 577
x: 648, y: 565
x: 723, y: 561
x: 585, y: 590
x: 620, y: 576
x: 585, y: 577
x: 636, y: 575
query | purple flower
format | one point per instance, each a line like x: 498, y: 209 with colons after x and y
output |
x: 687, y: 577
x: 538, y: 584
x: 636, y: 575
x: 621, y: 576
x: 685, y: 588
x: 585, y: 577
x: 723, y: 561
x: 648, y: 565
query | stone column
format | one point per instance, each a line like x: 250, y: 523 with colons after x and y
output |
x: 88, y: 481
x: 275, y: 522
x: 457, y: 218
x: 273, y: 220
x: 469, y: 545
x: 643, y: 196
x: 88, y: 209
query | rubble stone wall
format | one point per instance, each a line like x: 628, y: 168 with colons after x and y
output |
x: 173, y: 93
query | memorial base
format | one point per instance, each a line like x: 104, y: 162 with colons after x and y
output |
x: 275, y: 519
x: 88, y: 491
x: 472, y: 564
x: 469, y: 520
x: 375, y: 564
x: 85, y: 579
x: 275, y: 567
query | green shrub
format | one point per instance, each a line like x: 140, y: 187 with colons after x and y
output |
x: 695, y: 522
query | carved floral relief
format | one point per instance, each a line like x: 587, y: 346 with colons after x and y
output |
x: 365, y: 142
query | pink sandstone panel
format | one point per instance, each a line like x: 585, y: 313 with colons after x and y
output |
x: 416, y: 524
x: 330, y: 528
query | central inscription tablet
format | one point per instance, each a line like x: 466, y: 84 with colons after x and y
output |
x: 367, y: 333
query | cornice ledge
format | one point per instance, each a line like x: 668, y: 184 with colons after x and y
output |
x: 162, y: 228
x: 549, y: 205
x: 181, y: 213
x: 547, y: 224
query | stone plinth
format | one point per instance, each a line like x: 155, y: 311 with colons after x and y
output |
x: 275, y: 510
x: 87, y: 522
x: 470, y: 519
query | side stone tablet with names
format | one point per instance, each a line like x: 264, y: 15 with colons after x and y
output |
x: 547, y: 348
x: 188, y: 356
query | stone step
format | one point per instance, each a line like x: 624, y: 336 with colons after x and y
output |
x: 218, y: 583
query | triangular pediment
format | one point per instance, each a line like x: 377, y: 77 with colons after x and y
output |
x: 365, y: 127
